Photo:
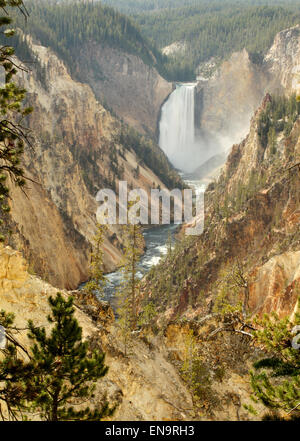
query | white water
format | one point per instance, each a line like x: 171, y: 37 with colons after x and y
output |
x: 177, y: 128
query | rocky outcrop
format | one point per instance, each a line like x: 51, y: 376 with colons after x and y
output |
x: 143, y: 383
x: 251, y: 220
x: 131, y: 88
x: 276, y: 285
x: 283, y: 61
x: 75, y: 153
x: 175, y: 48
x: 227, y: 101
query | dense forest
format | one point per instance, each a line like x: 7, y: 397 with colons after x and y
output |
x: 136, y: 6
x: 67, y: 26
x: 209, y: 29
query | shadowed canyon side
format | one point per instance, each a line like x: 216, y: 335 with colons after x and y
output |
x: 152, y: 322
x: 132, y: 89
x: 226, y: 102
x: 252, y: 219
x: 143, y: 384
x: 76, y: 145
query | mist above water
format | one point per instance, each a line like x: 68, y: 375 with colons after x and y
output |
x: 178, y: 140
x: 177, y: 127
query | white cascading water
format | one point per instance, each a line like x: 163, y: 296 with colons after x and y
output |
x: 177, y: 128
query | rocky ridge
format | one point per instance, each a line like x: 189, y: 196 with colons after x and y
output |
x: 76, y: 152
x: 226, y: 102
x: 143, y: 383
x: 132, y: 89
x: 144, y: 380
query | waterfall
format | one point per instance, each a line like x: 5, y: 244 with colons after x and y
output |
x: 177, y: 128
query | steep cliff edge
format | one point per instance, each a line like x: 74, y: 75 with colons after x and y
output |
x: 132, y: 89
x: 76, y: 151
x: 226, y: 102
x: 143, y: 383
x: 252, y: 219
x: 283, y: 61
x: 106, y: 50
x: 144, y: 380
x: 247, y: 260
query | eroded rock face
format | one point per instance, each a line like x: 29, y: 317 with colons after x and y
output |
x: 13, y: 270
x: 252, y: 218
x: 143, y: 378
x: 144, y: 384
x: 134, y: 90
x: 283, y: 61
x: 276, y: 285
x: 75, y: 142
x: 227, y: 101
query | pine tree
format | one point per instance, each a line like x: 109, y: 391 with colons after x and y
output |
x: 148, y: 314
x: 13, y: 135
x: 169, y: 245
x: 195, y: 373
x: 97, y: 280
x: 63, y: 367
x: 14, y: 371
x: 276, y: 378
x: 128, y: 294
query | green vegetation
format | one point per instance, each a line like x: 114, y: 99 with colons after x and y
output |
x: 168, y: 279
x: 136, y: 6
x: 147, y: 315
x: 276, y: 379
x: 67, y: 27
x: 210, y: 28
x: 97, y: 281
x: 196, y: 374
x: 129, y: 290
x: 279, y: 116
x: 228, y: 204
x: 14, y: 371
x: 13, y: 134
x: 151, y: 155
x: 186, y: 269
x: 59, y: 374
x: 128, y: 297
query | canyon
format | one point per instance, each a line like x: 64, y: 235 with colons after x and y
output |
x: 252, y: 219
x: 132, y: 89
x: 226, y: 101
x: 76, y: 144
x: 70, y: 124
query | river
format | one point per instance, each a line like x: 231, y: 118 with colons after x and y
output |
x: 178, y: 140
x: 156, y: 239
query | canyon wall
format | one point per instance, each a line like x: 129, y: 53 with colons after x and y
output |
x: 143, y: 380
x: 131, y: 88
x: 283, y: 61
x: 143, y: 384
x: 76, y: 151
x: 252, y: 220
x: 227, y: 101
